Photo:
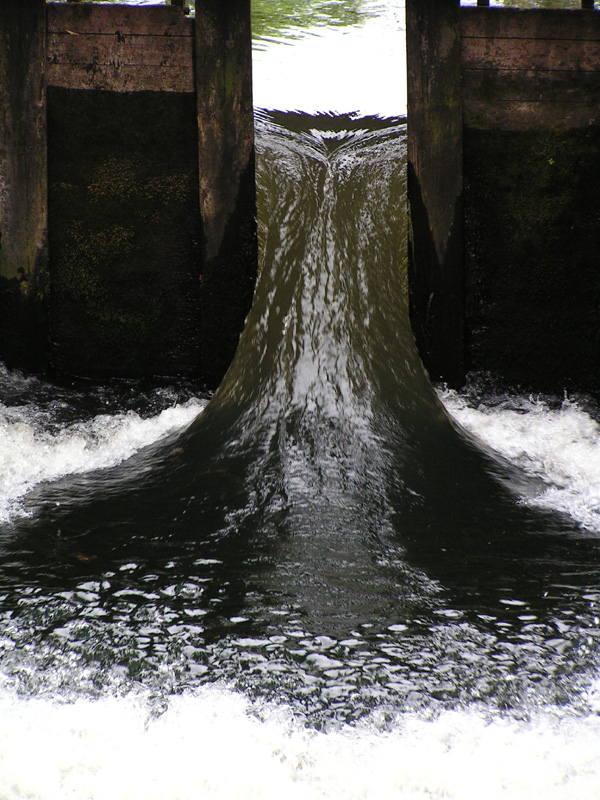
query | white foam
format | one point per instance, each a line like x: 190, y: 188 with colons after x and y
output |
x: 30, y: 454
x: 560, y: 446
x: 210, y: 745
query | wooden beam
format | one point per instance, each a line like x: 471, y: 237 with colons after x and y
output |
x: 98, y: 17
x: 527, y: 69
x: 509, y: 100
x: 435, y: 185
x: 529, y: 23
x: 541, y: 54
x: 23, y: 182
x: 120, y: 48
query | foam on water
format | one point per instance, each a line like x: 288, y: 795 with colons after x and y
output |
x: 561, y: 446
x: 33, y: 450
x: 214, y: 744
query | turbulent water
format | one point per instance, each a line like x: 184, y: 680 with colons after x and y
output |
x: 319, y: 584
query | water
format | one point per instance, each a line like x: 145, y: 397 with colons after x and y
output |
x: 319, y: 584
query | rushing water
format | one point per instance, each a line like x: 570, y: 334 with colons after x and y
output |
x: 318, y: 584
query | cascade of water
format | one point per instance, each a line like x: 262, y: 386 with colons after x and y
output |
x: 322, y: 536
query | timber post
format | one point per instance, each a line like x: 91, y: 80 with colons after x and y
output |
x: 435, y: 186
x: 226, y: 175
x: 23, y: 183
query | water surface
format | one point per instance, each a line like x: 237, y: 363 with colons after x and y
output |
x: 328, y: 580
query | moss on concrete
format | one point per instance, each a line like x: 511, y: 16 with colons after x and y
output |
x: 532, y: 239
x: 125, y: 233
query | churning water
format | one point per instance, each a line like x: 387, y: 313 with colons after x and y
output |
x: 328, y: 580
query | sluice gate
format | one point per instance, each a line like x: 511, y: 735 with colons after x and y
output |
x: 127, y: 197
x: 504, y: 191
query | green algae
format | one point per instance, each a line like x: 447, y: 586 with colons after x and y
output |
x: 125, y: 234
x: 532, y: 237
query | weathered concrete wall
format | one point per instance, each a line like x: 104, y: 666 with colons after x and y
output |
x: 152, y: 241
x: 23, y: 183
x: 530, y: 165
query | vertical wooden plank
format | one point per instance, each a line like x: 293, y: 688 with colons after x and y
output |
x: 23, y: 183
x: 435, y: 184
x: 226, y: 176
